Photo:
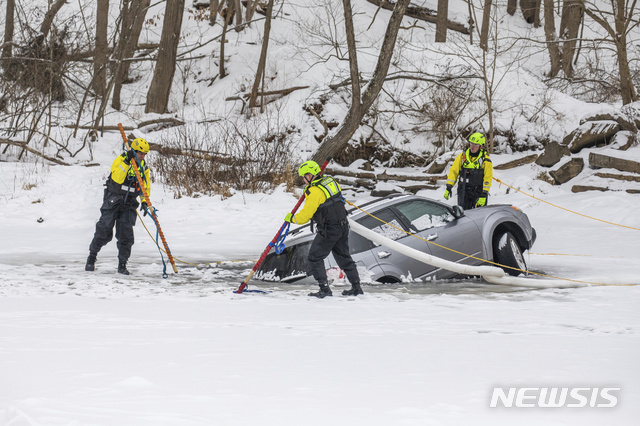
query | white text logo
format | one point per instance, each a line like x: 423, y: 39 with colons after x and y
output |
x: 554, y: 397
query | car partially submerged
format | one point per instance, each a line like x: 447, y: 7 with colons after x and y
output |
x: 498, y: 233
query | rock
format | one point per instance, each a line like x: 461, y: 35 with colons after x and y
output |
x: 604, y: 161
x: 623, y: 140
x: 591, y: 133
x: 628, y: 178
x: 632, y: 113
x: 515, y: 163
x: 553, y: 153
x: 436, y: 167
x: 418, y: 187
x: 633, y: 191
x: 567, y: 171
x: 585, y: 188
x: 384, y: 192
x: 625, y: 121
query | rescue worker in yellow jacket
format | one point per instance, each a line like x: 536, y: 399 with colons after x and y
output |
x: 119, y: 205
x: 325, y: 205
x: 473, y: 170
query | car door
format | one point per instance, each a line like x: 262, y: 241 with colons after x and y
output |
x: 393, y: 263
x: 448, y: 238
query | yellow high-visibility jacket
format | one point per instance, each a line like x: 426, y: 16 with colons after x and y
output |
x: 317, y: 193
x: 125, y: 178
x: 465, y: 162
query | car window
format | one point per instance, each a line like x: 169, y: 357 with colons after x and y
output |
x: 423, y: 214
x: 358, y: 244
x: 385, y: 229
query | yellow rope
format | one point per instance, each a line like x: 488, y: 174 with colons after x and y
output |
x: 570, y: 211
x: 182, y: 261
x: 480, y: 259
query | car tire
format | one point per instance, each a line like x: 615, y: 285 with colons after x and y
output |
x: 507, y: 252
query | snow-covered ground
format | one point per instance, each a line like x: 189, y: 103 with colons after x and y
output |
x: 100, y: 348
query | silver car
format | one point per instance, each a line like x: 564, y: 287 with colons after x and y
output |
x: 499, y: 233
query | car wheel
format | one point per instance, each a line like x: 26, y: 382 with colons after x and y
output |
x: 506, y: 252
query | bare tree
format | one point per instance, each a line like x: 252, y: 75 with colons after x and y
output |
x: 441, y: 22
x: 360, y: 104
x: 131, y: 27
x: 263, y: 59
x: 8, y: 30
x: 553, y: 46
x: 47, y: 22
x: 227, y: 14
x: 238, y: 9
x: 100, y: 56
x: 511, y: 7
x: 214, y: 5
x: 160, y: 88
x: 625, y: 18
x: 484, y: 32
x: 572, y: 13
x: 531, y: 11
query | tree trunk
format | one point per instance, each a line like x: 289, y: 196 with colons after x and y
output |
x: 7, y: 52
x: 48, y: 19
x: 213, y: 11
x: 511, y: 7
x: 555, y: 56
x: 569, y: 28
x: 129, y: 35
x: 263, y: 58
x: 160, y: 88
x: 100, y: 56
x: 531, y: 11
x: 441, y: 22
x: 627, y: 89
x: 623, y: 14
x: 238, y: 9
x: 338, y: 141
x: 486, y: 19
x: 354, y: 69
x: 227, y: 19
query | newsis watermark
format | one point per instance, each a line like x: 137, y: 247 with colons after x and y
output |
x: 554, y: 397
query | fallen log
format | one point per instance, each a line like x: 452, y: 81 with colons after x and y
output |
x: 26, y: 147
x: 422, y: 13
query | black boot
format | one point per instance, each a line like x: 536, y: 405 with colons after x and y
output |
x: 122, y: 268
x: 354, y: 290
x: 324, y: 291
x: 91, y: 263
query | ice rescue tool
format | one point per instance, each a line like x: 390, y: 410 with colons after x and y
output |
x: 243, y: 286
x: 147, y: 199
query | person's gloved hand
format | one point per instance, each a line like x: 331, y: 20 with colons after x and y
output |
x: 447, y: 192
x: 482, y: 200
x: 143, y: 208
x: 288, y: 218
x: 130, y: 155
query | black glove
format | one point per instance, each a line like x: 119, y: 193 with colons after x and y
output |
x: 143, y: 208
x: 130, y: 156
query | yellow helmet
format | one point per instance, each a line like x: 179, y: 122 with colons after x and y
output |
x: 477, y: 138
x: 140, y: 144
x: 309, y: 167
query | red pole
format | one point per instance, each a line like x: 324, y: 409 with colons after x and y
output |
x: 243, y: 286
